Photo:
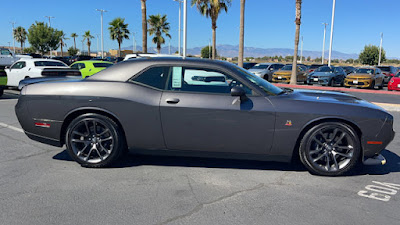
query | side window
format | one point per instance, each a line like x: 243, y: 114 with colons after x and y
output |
x: 203, y: 80
x: 81, y: 66
x: 5, y: 52
x: 154, y: 77
x: 18, y: 65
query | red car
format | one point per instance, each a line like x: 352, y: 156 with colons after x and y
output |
x: 394, y: 83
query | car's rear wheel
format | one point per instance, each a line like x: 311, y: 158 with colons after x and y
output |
x: 372, y: 85
x: 330, y: 149
x: 1, y: 92
x: 94, y: 140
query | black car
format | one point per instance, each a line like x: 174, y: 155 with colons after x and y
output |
x: 248, y: 65
x: 79, y: 58
x: 197, y: 107
x: 313, y: 67
x: 64, y: 59
x: 388, y: 71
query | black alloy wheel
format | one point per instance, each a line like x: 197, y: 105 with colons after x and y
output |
x: 94, y: 140
x: 330, y: 149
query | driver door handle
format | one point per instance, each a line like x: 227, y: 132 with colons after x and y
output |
x: 172, y: 100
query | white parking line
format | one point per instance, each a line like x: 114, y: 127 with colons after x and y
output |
x: 11, y: 127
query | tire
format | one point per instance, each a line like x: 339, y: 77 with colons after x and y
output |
x: 381, y: 86
x: 372, y: 85
x: 95, y: 140
x: 331, y: 83
x: 322, y: 144
x: 1, y: 92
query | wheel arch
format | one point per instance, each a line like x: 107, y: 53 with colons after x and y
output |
x: 312, y: 123
x: 80, y: 111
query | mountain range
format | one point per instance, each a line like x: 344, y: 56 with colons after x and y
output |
x: 233, y: 51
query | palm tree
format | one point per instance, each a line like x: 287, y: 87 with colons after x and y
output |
x: 158, y: 26
x: 87, y: 36
x: 241, y: 33
x: 20, y: 35
x: 293, y: 78
x: 212, y: 9
x: 74, y: 36
x: 118, y: 31
x: 62, y: 42
x: 144, y: 26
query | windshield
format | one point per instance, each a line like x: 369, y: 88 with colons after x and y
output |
x: 260, y: 66
x: 49, y: 63
x: 397, y: 75
x: 384, y: 68
x: 315, y: 66
x: 324, y: 69
x: 287, y: 67
x: 365, y: 70
x: 261, y: 83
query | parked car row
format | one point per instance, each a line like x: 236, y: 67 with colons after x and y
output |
x: 364, y: 77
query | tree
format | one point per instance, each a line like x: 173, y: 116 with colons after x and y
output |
x: 158, y: 25
x: 87, y: 36
x: 62, y: 42
x: 118, y: 31
x: 30, y: 50
x: 241, y: 33
x: 74, y: 36
x: 293, y: 78
x: 370, y: 55
x: 206, y: 52
x: 72, y: 51
x: 212, y: 9
x: 144, y: 26
x: 20, y: 35
x: 43, y: 38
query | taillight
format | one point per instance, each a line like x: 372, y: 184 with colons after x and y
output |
x: 49, y: 73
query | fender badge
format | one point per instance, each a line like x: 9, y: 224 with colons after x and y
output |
x: 288, y: 123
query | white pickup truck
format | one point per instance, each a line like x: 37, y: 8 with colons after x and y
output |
x: 7, y: 57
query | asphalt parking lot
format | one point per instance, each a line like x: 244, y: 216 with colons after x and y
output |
x: 40, y: 184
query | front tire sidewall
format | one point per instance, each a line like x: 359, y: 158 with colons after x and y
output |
x: 118, y: 147
x: 305, y: 159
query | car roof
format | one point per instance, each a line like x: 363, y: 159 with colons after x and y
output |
x: 38, y: 59
x: 124, y: 70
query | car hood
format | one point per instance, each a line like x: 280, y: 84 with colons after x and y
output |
x: 283, y: 72
x: 359, y: 75
x: 322, y: 74
x: 257, y: 70
x: 331, y: 97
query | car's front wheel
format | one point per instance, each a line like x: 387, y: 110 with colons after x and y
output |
x: 330, y: 149
x: 94, y: 140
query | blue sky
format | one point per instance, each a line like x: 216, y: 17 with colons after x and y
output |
x: 269, y: 24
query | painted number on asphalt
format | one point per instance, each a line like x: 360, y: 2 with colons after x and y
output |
x: 380, y: 191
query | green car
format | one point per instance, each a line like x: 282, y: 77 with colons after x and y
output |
x: 3, y: 81
x: 88, y: 68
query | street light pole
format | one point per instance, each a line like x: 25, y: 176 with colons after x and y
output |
x: 380, y: 50
x: 184, y: 28
x: 323, y: 43
x: 49, y: 17
x: 179, y: 29
x: 301, y: 52
x: 332, y: 23
x: 13, y: 23
x: 134, y: 42
x: 102, y: 37
x: 97, y: 48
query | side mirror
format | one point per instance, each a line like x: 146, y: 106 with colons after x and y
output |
x: 7, y: 67
x: 239, y: 92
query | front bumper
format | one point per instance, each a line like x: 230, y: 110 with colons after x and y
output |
x: 281, y: 78
x: 354, y: 82
x: 394, y: 87
x: 318, y: 80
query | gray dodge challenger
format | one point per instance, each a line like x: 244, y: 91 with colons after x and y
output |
x: 195, y: 107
